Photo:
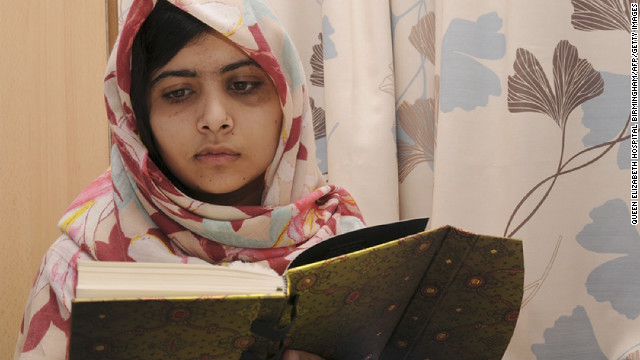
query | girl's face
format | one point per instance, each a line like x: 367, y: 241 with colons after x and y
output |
x: 216, y: 118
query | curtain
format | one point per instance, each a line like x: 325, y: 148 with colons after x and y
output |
x: 504, y: 117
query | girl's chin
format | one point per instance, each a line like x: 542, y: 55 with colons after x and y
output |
x: 244, y: 194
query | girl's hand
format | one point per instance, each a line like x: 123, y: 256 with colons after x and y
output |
x: 299, y: 355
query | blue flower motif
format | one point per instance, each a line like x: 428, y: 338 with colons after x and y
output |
x: 607, y: 114
x: 570, y: 338
x: 617, y: 280
x: 465, y: 82
x: 321, y: 154
x: 328, y: 46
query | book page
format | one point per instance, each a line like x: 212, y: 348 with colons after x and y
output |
x: 113, y: 280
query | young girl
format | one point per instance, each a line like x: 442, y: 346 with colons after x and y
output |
x: 212, y: 158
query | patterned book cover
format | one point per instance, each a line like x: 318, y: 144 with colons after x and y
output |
x: 467, y: 304
x: 170, y: 329
x: 440, y: 294
x: 437, y: 294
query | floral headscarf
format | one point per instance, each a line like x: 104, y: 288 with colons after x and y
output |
x: 133, y: 212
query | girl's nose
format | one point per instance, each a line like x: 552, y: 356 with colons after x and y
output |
x: 214, y: 115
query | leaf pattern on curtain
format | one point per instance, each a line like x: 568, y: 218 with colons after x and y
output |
x: 607, y: 113
x: 317, y: 64
x: 388, y: 84
x: 616, y: 280
x: 419, y: 121
x: 423, y: 36
x: 592, y: 15
x: 317, y: 112
x: 319, y: 120
x: 571, y: 338
x: 575, y: 81
x: 329, y: 50
x: 467, y: 80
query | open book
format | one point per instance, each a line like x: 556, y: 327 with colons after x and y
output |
x: 391, y: 291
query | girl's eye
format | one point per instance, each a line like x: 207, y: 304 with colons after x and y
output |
x: 177, y: 95
x: 244, y: 87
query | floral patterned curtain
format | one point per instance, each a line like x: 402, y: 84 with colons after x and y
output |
x: 505, y: 117
x: 511, y: 118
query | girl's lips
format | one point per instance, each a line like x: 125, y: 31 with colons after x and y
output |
x: 217, y: 155
x: 217, y: 158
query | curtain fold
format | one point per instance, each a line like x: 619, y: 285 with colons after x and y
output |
x: 360, y: 104
x: 417, y: 88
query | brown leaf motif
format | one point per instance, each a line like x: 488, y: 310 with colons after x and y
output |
x: 319, y: 120
x: 388, y: 85
x: 423, y: 36
x: 317, y: 64
x: 592, y: 15
x: 419, y: 122
x: 575, y: 81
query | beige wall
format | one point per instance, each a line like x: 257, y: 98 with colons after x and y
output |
x: 53, y: 132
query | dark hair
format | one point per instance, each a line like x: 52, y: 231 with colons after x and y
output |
x: 165, y: 31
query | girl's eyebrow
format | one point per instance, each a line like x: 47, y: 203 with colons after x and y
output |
x: 239, y: 64
x: 168, y: 73
x: 190, y: 73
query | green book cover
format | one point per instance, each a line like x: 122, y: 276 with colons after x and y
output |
x: 387, y: 292
x: 174, y: 328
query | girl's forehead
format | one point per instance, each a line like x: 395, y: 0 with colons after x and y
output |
x: 209, y: 53
x: 212, y: 45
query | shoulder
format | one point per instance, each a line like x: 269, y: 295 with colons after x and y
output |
x: 47, y: 312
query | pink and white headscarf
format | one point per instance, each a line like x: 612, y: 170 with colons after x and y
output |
x: 134, y: 213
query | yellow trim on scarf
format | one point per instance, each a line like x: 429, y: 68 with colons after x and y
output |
x: 136, y: 238
x: 71, y: 219
x: 233, y: 31
x: 281, y: 236
x: 309, y: 220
